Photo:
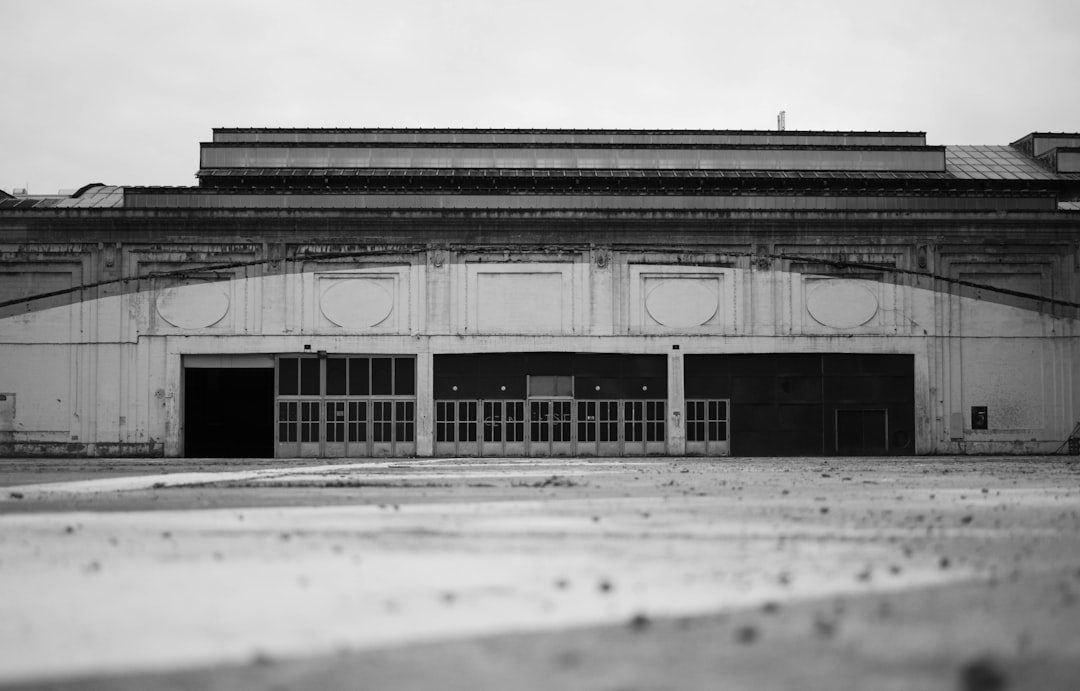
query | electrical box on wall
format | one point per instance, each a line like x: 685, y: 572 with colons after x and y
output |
x: 979, y: 417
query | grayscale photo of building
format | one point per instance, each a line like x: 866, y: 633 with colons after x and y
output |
x: 534, y: 345
x: 486, y: 292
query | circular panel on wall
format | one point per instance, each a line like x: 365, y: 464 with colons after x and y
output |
x: 841, y: 304
x: 193, y: 306
x: 683, y: 302
x: 357, y: 303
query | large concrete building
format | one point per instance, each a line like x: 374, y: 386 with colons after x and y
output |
x: 399, y: 292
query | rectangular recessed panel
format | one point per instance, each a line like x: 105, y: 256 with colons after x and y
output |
x: 519, y: 302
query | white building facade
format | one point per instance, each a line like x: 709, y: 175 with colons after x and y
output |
x: 368, y: 293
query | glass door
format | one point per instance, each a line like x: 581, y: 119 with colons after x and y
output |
x: 707, y: 428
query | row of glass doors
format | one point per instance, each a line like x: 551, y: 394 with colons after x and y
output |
x: 550, y: 427
x: 345, y: 406
x: 312, y: 428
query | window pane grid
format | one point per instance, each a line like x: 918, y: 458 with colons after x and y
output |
x: 539, y: 417
x: 358, y: 422
x: 493, y: 421
x: 382, y: 421
x: 654, y: 420
x: 633, y: 424
x: 287, y: 413
x: 318, y: 400
x: 515, y: 421
x: 309, y: 421
x: 586, y: 420
x: 335, y: 421
x: 445, y: 420
x: 404, y: 424
x: 706, y: 420
x: 561, y: 421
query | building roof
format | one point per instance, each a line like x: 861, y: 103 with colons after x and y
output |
x: 618, y: 169
x: 994, y: 163
x: 534, y: 136
x: 93, y: 196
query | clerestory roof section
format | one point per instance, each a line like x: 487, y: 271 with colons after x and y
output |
x: 563, y: 137
x: 627, y: 156
x: 538, y: 149
x: 1037, y: 144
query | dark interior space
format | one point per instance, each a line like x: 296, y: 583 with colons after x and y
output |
x: 810, y: 404
x: 229, y: 412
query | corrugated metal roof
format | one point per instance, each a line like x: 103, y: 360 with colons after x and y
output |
x: 183, y: 198
x: 993, y: 163
x: 99, y: 196
x: 962, y: 162
x: 673, y: 157
x: 24, y: 203
x: 89, y: 197
x: 564, y: 172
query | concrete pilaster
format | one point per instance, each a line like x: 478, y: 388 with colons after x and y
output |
x: 676, y: 404
x: 425, y: 404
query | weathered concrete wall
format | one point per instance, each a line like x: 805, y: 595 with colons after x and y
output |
x: 99, y: 371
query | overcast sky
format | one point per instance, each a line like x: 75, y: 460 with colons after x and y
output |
x: 122, y: 91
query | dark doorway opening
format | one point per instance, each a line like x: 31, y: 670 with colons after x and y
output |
x: 810, y: 404
x: 229, y: 412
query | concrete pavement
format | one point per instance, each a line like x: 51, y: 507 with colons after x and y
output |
x: 197, y: 570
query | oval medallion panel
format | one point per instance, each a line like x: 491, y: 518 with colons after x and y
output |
x: 841, y: 304
x: 682, y: 303
x: 193, y: 306
x: 357, y: 303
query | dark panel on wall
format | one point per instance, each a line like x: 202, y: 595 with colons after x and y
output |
x: 707, y: 385
x: 337, y: 383
x: 404, y: 377
x: 796, y: 404
x: 505, y: 375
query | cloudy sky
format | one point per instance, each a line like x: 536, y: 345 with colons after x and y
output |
x: 122, y: 91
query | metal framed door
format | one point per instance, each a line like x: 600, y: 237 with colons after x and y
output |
x: 335, y: 428
x: 708, y: 427
x: 358, y: 428
x: 644, y: 425
x: 598, y: 428
x: 503, y: 432
x: 310, y: 429
x: 288, y: 429
x: 551, y: 427
x: 456, y: 428
x: 345, y: 406
x: 393, y: 427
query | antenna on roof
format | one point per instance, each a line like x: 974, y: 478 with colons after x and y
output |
x: 781, y: 123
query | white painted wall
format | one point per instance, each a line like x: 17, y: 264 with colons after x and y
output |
x: 105, y: 372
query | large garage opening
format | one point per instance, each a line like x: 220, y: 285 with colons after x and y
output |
x: 800, y: 404
x: 228, y: 411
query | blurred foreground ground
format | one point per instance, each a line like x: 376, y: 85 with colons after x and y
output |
x: 541, y: 574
